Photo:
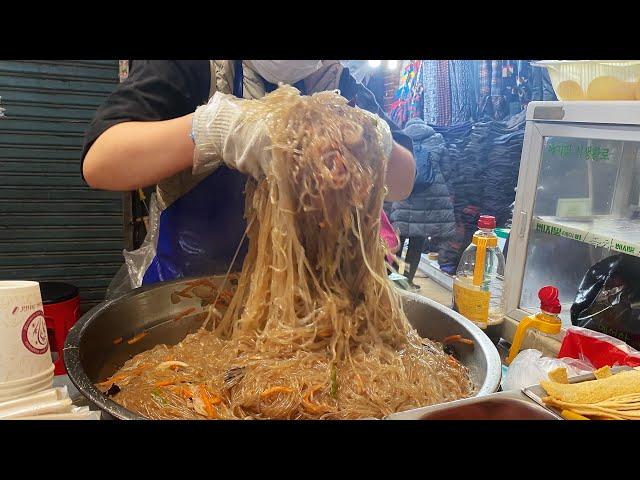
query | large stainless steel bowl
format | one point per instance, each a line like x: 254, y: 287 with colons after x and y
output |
x: 92, y: 353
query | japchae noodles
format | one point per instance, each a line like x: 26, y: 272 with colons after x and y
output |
x: 315, y: 328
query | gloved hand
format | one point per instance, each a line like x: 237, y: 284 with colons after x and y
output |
x: 220, y: 135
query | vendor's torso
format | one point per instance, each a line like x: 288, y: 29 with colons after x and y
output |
x: 202, y: 222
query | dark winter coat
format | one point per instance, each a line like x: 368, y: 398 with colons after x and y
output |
x: 428, y: 211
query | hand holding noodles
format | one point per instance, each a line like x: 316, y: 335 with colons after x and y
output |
x: 315, y: 329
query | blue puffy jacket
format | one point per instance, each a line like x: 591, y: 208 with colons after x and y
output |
x: 428, y: 211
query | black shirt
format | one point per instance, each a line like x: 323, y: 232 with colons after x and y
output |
x: 165, y: 89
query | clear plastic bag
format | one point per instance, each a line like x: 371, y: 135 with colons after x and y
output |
x: 530, y: 367
x: 137, y: 261
x: 120, y: 284
x: 594, y: 79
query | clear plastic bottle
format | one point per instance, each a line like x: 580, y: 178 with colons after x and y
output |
x: 478, y: 284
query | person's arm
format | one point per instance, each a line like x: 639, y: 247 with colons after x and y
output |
x: 401, y: 168
x: 141, y: 134
x: 133, y: 155
x: 401, y: 173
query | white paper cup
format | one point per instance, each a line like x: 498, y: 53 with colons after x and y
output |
x: 36, y: 381
x: 24, y: 343
x: 23, y: 382
x: 46, y: 395
x: 64, y: 416
x: 4, y: 391
x: 53, y: 406
x: 10, y: 394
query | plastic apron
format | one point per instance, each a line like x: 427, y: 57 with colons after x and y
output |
x: 199, y: 233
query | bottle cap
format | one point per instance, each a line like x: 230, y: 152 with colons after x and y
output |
x: 487, y: 221
x: 549, y: 299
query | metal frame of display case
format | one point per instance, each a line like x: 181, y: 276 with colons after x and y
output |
x: 616, y: 121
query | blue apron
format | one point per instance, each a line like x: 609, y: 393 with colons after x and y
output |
x: 200, y: 232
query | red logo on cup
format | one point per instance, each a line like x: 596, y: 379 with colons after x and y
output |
x: 34, y: 333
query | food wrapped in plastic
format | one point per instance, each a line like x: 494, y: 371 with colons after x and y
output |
x: 530, y: 367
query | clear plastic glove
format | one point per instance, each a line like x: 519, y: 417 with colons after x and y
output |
x: 221, y: 134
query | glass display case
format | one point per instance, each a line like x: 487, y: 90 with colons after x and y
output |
x: 578, y: 198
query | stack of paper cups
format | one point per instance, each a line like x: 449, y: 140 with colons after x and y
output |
x: 25, y: 358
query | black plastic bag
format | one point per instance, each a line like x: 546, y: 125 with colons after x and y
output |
x: 608, y: 299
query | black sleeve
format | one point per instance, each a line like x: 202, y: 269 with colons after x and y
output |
x: 350, y: 88
x: 155, y: 90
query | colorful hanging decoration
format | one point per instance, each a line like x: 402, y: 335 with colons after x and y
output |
x: 408, y: 98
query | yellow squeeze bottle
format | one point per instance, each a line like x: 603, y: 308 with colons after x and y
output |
x: 546, y: 321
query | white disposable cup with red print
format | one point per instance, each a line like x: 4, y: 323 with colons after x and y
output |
x: 25, y: 359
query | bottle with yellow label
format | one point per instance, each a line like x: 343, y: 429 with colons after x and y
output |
x: 478, y: 284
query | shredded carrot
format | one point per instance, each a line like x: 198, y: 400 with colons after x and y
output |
x: 137, y: 338
x: 164, y: 383
x: 184, y: 313
x: 325, y: 333
x: 114, y: 379
x: 215, y: 399
x: 204, y: 396
x: 457, y: 338
x: 359, y: 382
x: 222, y: 302
x: 452, y: 361
x: 274, y: 390
x: 185, y: 392
x: 196, y: 283
x: 117, y: 341
x: 309, y: 405
x: 121, y: 376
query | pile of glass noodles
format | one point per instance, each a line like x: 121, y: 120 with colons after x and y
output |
x: 315, y: 329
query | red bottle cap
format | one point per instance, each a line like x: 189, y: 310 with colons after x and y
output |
x: 549, y: 299
x: 487, y: 221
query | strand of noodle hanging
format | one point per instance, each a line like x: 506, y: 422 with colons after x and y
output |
x: 212, y: 307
